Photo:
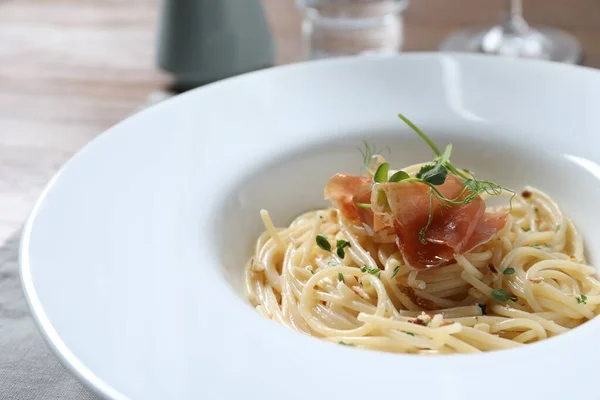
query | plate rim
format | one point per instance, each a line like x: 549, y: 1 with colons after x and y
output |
x: 43, y: 323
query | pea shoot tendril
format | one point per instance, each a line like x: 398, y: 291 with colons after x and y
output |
x: 434, y: 174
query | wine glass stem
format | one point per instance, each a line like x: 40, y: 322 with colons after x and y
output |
x: 515, y: 7
x: 513, y: 22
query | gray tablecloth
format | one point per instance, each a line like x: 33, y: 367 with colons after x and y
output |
x: 28, y: 369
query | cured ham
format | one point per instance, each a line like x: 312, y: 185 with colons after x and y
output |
x: 406, y: 207
x: 346, y: 191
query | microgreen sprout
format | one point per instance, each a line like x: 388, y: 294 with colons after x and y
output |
x: 435, y: 174
x: 432, y: 174
x: 502, y: 295
x: 581, y: 299
x: 371, y: 270
x: 369, y: 154
x: 340, y: 244
x: 323, y: 243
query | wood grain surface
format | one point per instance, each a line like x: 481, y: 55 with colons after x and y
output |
x: 69, y: 69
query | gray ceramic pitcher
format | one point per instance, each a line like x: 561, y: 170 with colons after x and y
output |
x: 202, y: 41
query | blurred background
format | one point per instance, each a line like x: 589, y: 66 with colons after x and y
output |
x: 70, y: 69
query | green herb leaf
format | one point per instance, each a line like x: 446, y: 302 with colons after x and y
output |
x: 311, y: 270
x: 371, y: 270
x: 399, y: 176
x: 342, y: 243
x: 346, y: 344
x: 581, y: 299
x: 363, y: 205
x: 409, y: 333
x: 340, y: 248
x: 340, y: 277
x: 526, y: 229
x: 433, y: 173
x: 557, y: 228
x: 508, y: 271
x: 444, y: 158
x: 396, y: 270
x: 381, y: 175
x: 323, y: 243
x: 483, y: 309
x: 502, y: 295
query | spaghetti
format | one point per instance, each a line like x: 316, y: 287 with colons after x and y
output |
x: 538, y: 258
x: 329, y: 276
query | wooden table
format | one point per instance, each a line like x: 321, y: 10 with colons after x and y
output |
x: 69, y: 69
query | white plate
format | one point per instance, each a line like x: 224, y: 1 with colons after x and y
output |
x: 132, y: 259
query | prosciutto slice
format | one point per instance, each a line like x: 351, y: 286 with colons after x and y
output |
x: 345, y: 191
x: 454, y: 229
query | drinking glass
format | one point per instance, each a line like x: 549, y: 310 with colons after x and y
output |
x: 333, y: 28
x: 514, y: 37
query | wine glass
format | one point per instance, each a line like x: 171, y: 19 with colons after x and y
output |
x: 514, y: 37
